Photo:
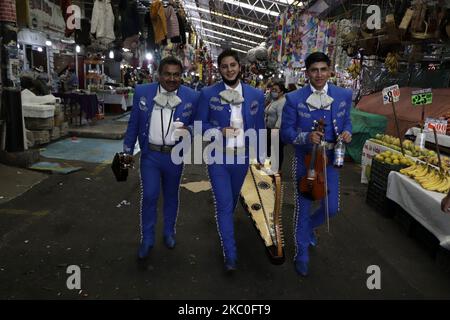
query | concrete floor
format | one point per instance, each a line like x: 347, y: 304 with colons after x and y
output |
x: 88, y: 219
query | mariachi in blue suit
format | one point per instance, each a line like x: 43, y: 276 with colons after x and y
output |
x: 156, y: 166
x: 227, y: 179
x: 297, y: 123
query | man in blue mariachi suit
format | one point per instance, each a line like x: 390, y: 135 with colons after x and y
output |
x: 156, y: 107
x: 303, y: 109
x: 230, y: 107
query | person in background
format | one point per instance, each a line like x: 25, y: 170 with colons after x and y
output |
x: 70, y: 80
x: 273, y: 114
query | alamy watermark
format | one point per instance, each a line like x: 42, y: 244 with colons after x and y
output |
x: 374, y: 280
x: 74, y: 280
x: 192, y: 151
x: 374, y: 21
x: 74, y: 17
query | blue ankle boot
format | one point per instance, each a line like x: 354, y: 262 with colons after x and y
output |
x: 301, y: 267
x: 144, y: 249
x: 169, y: 241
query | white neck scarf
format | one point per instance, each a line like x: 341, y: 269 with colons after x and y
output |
x: 168, y: 100
x: 319, y: 100
x: 231, y: 96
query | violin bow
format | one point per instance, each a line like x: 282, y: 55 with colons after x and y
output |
x: 327, y: 212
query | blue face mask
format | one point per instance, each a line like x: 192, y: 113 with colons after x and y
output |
x: 274, y: 95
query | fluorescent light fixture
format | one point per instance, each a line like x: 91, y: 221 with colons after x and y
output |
x: 48, y: 43
x: 250, y: 7
x: 227, y: 16
x: 230, y: 36
x: 228, y: 28
x: 241, y: 44
x: 70, y: 41
x: 77, y: 49
x: 125, y: 50
x: 238, y: 50
x: 214, y: 37
x: 111, y: 54
x: 148, y: 56
x: 213, y: 43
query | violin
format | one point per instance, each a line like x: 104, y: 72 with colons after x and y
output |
x: 313, y: 185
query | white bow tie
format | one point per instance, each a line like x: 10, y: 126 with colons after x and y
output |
x: 167, y: 100
x: 231, y: 96
x: 319, y: 100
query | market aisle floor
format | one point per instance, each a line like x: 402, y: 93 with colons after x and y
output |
x: 88, y: 219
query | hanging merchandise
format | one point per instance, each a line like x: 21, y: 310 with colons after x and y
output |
x: 130, y: 26
x: 173, y: 28
x: 102, y: 21
x: 181, y: 16
x: 158, y: 18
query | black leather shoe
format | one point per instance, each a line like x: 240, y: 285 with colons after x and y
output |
x: 144, y: 249
x: 169, y: 241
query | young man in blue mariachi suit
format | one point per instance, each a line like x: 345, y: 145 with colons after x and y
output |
x: 303, y: 108
x: 232, y: 107
x: 156, y: 107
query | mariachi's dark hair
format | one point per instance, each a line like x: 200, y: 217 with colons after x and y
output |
x: 317, y: 57
x: 227, y: 53
x: 169, y: 60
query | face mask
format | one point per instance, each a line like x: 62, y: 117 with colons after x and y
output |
x: 274, y: 95
x: 232, y: 82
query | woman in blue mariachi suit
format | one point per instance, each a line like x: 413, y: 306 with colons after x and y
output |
x: 231, y: 107
x: 155, y: 107
x: 318, y: 100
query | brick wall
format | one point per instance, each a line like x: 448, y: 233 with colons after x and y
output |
x: 8, y: 11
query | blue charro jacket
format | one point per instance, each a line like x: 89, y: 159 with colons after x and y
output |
x: 297, y: 119
x: 139, y: 123
x: 214, y: 114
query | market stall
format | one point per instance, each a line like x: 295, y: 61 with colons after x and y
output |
x: 421, y: 204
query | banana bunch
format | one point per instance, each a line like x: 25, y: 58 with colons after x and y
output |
x: 391, y: 62
x: 429, y: 179
x: 354, y: 69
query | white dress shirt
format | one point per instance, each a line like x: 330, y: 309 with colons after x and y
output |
x: 155, y: 132
x: 236, y: 114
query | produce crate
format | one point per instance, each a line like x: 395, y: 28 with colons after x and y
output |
x: 376, y: 198
x: 380, y: 171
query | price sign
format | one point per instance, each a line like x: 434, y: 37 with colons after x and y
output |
x: 421, y: 97
x: 439, y: 124
x: 391, y: 94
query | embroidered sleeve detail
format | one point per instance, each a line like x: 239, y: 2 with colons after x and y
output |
x: 301, y: 138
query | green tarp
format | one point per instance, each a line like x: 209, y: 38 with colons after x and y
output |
x: 365, y: 126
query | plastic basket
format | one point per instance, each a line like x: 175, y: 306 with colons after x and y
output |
x: 379, y: 172
x: 376, y: 198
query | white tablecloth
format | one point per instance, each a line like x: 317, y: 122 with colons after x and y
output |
x: 114, y: 98
x: 443, y: 140
x: 422, y: 205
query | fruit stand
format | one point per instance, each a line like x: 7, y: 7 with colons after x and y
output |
x: 414, y: 181
x: 423, y: 205
x: 382, y: 143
